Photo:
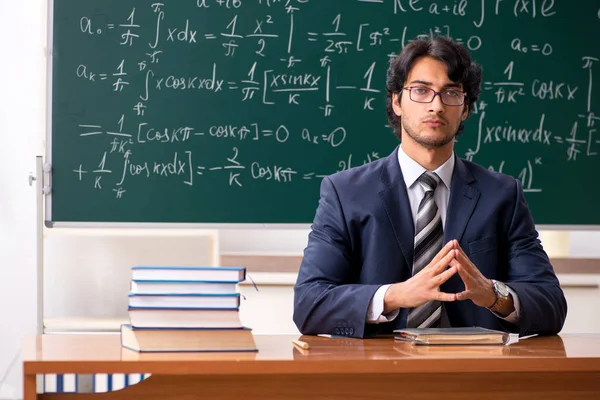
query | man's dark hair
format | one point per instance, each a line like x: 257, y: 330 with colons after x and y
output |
x: 461, y: 69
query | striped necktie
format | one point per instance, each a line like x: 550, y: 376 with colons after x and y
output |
x: 428, y: 242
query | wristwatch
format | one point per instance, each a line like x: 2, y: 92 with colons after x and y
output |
x: 502, y: 295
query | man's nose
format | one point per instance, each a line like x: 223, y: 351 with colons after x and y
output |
x: 436, y: 105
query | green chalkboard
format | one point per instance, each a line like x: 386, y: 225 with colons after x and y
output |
x: 232, y: 111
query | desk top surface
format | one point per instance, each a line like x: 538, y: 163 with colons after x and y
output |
x: 102, y: 353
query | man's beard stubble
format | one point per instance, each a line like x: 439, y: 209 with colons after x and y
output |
x: 428, y: 143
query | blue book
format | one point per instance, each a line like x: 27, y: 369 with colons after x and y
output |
x: 175, y: 273
x: 192, y: 300
x: 182, y: 287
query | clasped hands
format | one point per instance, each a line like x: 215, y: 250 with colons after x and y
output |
x: 425, y: 285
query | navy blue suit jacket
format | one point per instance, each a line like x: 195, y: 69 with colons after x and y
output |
x: 362, y: 238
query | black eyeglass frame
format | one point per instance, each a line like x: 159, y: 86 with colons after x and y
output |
x: 435, y: 93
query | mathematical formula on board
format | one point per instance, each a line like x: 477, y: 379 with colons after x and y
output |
x: 320, y: 67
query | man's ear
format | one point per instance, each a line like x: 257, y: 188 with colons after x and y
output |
x: 396, y: 104
x: 465, y: 113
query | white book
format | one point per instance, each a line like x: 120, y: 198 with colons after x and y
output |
x: 133, y: 379
x: 101, y: 383
x: 170, y: 300
x: 118, y: 381
x: 182, y: 287
x: 50, y: 383
x: 69, y: 383
x: 183, y: 318
x: 174, y: 273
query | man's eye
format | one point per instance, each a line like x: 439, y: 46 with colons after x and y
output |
x: 420, y: 90
x: 452, y: 93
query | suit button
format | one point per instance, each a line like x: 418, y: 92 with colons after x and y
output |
x: 347, y: 331
x: 336, y: 331
x: 351, y: 331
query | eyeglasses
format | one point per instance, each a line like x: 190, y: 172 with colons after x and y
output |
x: 449, y: 97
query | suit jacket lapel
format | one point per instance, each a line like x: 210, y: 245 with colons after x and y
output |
x: 397, y: 205
x: 463, y: 198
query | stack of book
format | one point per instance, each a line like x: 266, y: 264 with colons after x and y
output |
x: 186, y: 309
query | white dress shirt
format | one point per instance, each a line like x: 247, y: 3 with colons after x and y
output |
x: 411, y: 171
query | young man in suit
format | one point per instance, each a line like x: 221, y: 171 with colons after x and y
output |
x: 423, y: 238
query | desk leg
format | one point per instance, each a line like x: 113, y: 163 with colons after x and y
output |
x: 29, y: 387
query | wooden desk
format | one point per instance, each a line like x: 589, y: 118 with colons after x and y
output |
x: 557, y: 367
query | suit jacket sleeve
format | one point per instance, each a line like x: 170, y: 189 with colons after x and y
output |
x: 531, y: 276
x: 324, y: 299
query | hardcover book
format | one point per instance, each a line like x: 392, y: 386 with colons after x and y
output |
x: 452, y: 336
x: 187, y: 340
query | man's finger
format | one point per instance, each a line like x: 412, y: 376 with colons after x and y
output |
x: 463, y: 260
x: 443, y: 252
x: 464, y: 295
x: 442, y: 296
x: 456, y: 245
x: 444, y: 276
x: 437, y: 268
x: 462, y: 256
x: 460, y: 251
x: 463, y: 272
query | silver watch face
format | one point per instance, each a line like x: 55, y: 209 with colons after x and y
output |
x: 501, y: 289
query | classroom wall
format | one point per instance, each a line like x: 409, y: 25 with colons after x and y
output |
x: 21, y: 125
x: 22, y: 69
x: 584, y: 244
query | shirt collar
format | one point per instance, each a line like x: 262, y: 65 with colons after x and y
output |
x: 412, y: 170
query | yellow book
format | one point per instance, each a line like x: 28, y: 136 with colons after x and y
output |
x: 187, y: 340
x: 453, y: 336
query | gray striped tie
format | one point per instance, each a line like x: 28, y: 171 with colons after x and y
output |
x: 428, y: 242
